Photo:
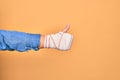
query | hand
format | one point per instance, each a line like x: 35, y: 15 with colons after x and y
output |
x: 61, y: 40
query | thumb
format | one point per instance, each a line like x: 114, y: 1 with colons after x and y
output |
x: 66, y: 28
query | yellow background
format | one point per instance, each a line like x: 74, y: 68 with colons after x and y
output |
x: 95, y: 53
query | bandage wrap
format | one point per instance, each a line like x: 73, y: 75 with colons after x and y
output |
x: 60, y: 40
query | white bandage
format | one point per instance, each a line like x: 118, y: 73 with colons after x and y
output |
x: 60, y: 40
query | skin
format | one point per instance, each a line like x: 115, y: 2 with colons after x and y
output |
x: 42, y: 41
x: 43, y: 36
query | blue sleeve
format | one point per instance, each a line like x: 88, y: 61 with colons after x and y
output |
x: 20, y: 41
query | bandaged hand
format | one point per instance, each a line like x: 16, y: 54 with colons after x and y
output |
x: 61, y: 40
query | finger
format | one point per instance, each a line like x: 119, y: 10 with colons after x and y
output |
x: 66, y: 28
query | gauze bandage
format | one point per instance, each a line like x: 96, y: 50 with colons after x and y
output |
x: 60, y: 40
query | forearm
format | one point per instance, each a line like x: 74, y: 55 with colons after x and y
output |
x: 20, y: 41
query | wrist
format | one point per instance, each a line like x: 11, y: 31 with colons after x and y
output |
x: 42, y: 41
